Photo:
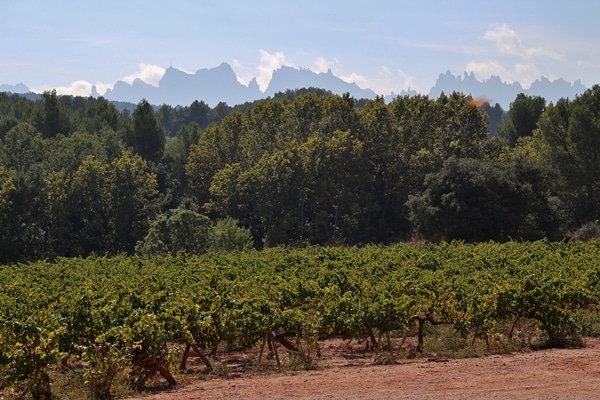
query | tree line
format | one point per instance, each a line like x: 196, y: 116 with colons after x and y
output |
x: 79, y: 177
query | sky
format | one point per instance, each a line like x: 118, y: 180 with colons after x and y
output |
x: 387, y: 46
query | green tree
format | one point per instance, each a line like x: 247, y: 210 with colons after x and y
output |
x: 229, y: 194
x: 228, y: 236
x: 175, y: 158
x: 180, y: 231
x: 495, y: 116
x: 381, y: 137
x: 571, y: 133
x: 460, y: 129
x: 337, y: 182
x: 262, y: 131
x: 273, y: 187
x: 7, y: 190
x: 129, y: 190
x: 422, y: 133
x: 339, y: 113
x: 521, y: 118
x: 304, y: 116
x: 7, y: 122
x: 53, y: 117
x: 168, y: 117
x: 22, y: 147
x: 98, y: 114
x: 418, y: 150
x: 219, y: 113
x: 22, y: 154
x: 56, y: 212
x: 66, y: 153
x: 147, y: 137
x: 477, y: 200
x: 217, y: 147
x: 89, y: 209
x: 198, y: 113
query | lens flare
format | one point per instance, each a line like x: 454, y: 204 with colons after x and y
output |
x: 478, y: 102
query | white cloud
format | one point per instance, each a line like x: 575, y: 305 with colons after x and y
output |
x: 263, y: 72
x: 525, y: 73
x: 516, y: 61
x: 101, y: 88
x: 409, y: 81
x: 353, y: 77
x: 388, y: 81
x: 268, y: 64
x: 148, y: 73
x: 506, y: 39
x: 322, y: 65
x: 385, y: 72
x: 189, y: 72
x: 77, y: 88
x: 384, y: 82
x: 439, y: 47
x: 241, y: 72
x: 510, y: 43
x: 489, y: 68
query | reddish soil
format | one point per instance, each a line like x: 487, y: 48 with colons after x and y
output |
x: 571, y: 373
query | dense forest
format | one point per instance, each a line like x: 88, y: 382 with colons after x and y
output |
x: 79, y: 177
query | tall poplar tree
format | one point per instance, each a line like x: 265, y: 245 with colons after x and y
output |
x: 147, y: 137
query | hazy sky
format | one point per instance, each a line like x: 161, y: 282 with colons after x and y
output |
x: 384, y: 45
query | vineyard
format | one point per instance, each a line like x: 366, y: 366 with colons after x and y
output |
x: 130, y: 318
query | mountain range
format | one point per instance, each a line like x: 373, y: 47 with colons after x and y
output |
x: 220, y: 84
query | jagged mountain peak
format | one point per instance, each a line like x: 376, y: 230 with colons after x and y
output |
x: 287, y: 77
x: 20, y: 88
x: 220, y: 84
x: 498, y: 91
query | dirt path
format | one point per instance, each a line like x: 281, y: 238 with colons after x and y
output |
x: 544, y: 374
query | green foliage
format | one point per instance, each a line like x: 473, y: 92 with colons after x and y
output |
x: 147, y: 137
x: 175, y: 159
x: 476, y: 201
x: 26, y: 352
x: 588, y: 231
x: 53, y: 117
x: 570, y: 130
x: 228, y: 236
x: 306, y: 167
x: 495, y: 116
x: 22, y: 148
x: 521, y: 119
x: 104, y: 366
x: 117, y: 315
x: 180, y: 231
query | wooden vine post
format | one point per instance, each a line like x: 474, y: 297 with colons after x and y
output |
x: 270, y: 339
x: 189, y: 347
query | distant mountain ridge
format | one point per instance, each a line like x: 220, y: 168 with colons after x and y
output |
x: 496, y: 91
x: 177, y: 87
x: 291, y: 78
x: 220, y: 84
x: 18, y: 88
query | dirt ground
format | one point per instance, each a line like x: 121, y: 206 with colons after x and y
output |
x: 348, y: 373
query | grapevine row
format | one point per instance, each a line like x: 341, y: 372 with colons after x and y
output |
x: 130, y: 311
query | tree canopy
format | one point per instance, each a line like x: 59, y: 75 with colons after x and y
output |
x: 80, y: 177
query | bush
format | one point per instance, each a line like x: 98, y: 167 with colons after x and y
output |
x: 588, y: 231
x: 228, y: 236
